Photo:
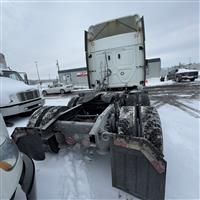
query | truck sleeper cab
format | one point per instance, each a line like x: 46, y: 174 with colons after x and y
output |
x: 115, y: 52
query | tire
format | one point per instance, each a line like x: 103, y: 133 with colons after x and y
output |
x: 36, y: 118
x: 62, y: 91
x: 127, y: 123
x: 162, y: 79
x: 192, y: 79
x: 41, y: 118
x: 44, y: 92
x: 53, y: 145
x: 73, y: 101
x: 45, y: 114
x: 151, y: 126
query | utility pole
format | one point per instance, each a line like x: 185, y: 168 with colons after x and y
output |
x: 58, y: 69
x: 36, y: 64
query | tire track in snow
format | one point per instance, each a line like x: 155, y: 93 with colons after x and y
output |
x: 74, y: 181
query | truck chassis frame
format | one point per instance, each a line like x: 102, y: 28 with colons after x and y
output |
x: 123, y: 123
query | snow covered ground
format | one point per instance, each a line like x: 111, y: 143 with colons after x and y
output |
x: 156, y: 81
x: 181, y: 150
x: 72, y: 174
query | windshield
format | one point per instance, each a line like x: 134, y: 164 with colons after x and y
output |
x: 11, y: 74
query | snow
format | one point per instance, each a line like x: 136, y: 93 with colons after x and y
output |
x: 195, y: 104
x: 75, y: 174
x: 181, y: 150
x: 156, y: 81
x: 185, y: 70
x: 69, y: 173
x: 52, y: 101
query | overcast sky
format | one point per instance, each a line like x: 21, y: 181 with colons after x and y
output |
x: 47, y: 31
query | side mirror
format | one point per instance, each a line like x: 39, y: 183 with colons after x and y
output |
x: 24, y: 77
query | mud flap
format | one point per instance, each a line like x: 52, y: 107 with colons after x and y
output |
x: 137, y: 170
x: 29, y: 142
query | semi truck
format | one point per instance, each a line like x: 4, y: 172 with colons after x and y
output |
x: 115, y: 118
x: 16, y: 95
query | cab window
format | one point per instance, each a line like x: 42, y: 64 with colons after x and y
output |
x: 11, y: 74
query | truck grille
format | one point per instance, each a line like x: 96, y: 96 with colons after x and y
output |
x: 24, y: 96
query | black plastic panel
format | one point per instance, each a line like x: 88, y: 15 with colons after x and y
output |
x: 134, y: 174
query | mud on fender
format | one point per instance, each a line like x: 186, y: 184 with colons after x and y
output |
x: 138, y: 168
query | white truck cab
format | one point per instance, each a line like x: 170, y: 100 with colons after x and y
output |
x: 16, y: 96
x: 15, y: 168
x: 115, y: 53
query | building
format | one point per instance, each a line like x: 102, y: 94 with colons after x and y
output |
x: 76, y: 76
x: 153, y: 68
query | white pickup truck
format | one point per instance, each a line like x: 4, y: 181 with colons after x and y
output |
x: 15, y: 95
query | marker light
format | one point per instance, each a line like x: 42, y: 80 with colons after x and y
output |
x: 8, y: 154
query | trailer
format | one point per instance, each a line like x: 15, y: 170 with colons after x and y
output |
x: 115, y: 118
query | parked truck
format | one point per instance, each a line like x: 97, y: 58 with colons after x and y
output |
x: 16, y: 95
x: 181, y: 74
x: 117, y: 117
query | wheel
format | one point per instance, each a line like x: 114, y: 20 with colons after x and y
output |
x: 127, y: 123
x: 192, y: 79
x: 45, y: 114
x: 53, y: 145
x: 44, y: 92
x: 36, y: 118
x: 73, y: 101
x: 62, y: 91
x: 41, y: 118
x: 151, y: 126
x: 162, y: 79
